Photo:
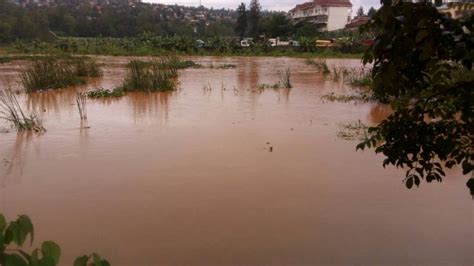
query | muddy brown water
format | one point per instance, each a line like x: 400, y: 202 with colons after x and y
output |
x: 187, y: 177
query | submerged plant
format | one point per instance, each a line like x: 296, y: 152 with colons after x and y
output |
x: 10, y: 110
x: 106, y: 93
x: 353, y: 131
x: 285, y: 79
x: 81, y: 100
x: 150, y: 76
x: 319, y: 64
x: 52, y: 73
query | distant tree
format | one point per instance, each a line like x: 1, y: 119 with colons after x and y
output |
x: 422, y: 65
x: 242, y: 23
x: 371, y: 12
x: 277, y: 25
x: 360, y: 11
x: 254, y: 17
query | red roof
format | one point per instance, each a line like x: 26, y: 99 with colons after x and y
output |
x: 334, y: 3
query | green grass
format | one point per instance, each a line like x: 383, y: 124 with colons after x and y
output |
x: 151, y: 76
x: 159, y: 46
x: 53, y: 73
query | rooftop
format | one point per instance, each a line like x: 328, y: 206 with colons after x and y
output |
x: 310, y: 5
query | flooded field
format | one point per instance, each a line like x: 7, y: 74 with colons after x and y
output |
x: 219, y: 172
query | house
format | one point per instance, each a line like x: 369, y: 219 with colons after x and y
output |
x: 357, y: 22
x: 326, y: 15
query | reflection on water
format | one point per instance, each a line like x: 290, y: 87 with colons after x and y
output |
x: 379, y: 112
x: 150, y: 104
x: 14, y: 158
x: 190, y: 174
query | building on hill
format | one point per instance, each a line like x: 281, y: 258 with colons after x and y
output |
x: 326, y: 15
x: 355, y: 23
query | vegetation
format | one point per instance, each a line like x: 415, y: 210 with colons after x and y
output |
x: 81, y: 100
x: 352, y: 131
x: 242, y: 23
x: 16, y: 233
x: 106, y: 93
x: 285, y: 79
x: 360, y: 96
x: 150, y: 76
x: 422, y: 65
x: 319, y: 64
x: 11, y: 111
x: 254, y: 16
x: 283, y: 83
x: 52, y: 73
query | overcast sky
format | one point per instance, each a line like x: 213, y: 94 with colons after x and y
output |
x: 283, y: 5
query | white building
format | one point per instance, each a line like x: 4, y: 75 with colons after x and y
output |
x: 327, y: 15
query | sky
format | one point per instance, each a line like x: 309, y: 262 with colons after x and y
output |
x: 279, y: 5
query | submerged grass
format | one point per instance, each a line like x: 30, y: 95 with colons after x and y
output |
x: 53, y: 73
x: 352, y: 131
x: 320, y: 64
x: 81, y: 100
x: 11, y: 111
x: 151, y: 76
x: 106, y: 93
x: 283, y: 83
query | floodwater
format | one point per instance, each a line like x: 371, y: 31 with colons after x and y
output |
x: 188, y: 178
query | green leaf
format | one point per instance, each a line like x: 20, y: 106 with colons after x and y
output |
x: 81, y: 261
x: 14, y: 260
x: 12, y: 233
x: 51, y: 249
x: 26, y: 226
x: 421, y: 35
x: 409, y: 183
x: 3, y: 222
x: 34, y: 261
x: 47, y: 261
x: 97, y: 259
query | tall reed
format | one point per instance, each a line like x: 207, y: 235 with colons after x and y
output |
x: 151, y: 76
x: 285, y: 79
x: 52, y: 73
x: 81, y: 100
x: 10, y: 110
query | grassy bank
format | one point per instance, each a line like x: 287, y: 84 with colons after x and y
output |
x: 174, y: 46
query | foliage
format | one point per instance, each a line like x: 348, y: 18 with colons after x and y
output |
x: 422, y: 65
x: 360, y: 12
x: 277, y: 25
x: 106, y: 93
x: 371, y: 12
x: 10, y: 110
x: 254, y: 16
x: 16, y: 233
x: 242, y: 23
x: 52, y: 73
x: 151, y: 76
